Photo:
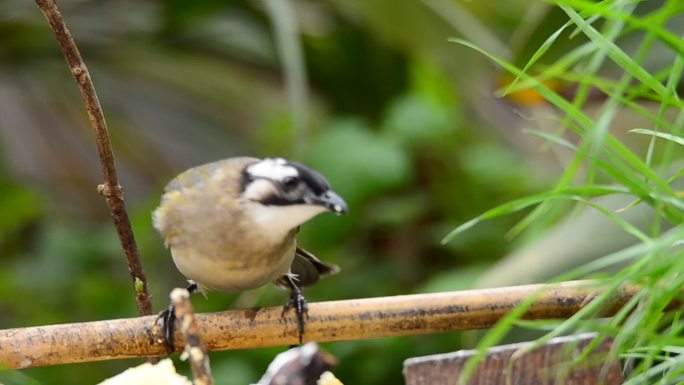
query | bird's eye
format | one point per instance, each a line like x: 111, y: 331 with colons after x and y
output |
x: 290, y: 182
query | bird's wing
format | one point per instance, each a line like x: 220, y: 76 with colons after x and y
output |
x: 308, y: 269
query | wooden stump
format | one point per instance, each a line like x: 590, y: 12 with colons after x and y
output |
x: 551, y: 363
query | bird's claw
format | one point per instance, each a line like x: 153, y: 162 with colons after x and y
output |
x: 168, y: 318
x: 168, y: 325
x: 299, y: 304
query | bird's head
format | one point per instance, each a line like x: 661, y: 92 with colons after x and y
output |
x: 288, y: 193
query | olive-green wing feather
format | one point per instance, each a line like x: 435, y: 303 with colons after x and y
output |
x: 308, y: 269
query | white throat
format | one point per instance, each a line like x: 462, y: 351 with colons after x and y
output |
x: 280, y: 220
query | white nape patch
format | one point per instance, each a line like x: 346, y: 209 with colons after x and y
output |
x: 277, y: 221
x: 258, y: 189
x: 272, y: 168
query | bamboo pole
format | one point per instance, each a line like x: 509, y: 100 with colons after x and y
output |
x: 328, y: 321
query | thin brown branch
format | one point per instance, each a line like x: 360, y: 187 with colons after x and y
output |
x: 110, y: 189
x: 328, y: 321
x: 194, y: 348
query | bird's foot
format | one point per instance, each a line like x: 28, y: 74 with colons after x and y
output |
x: 168, y: 325
x: 298, y: 303
x: 168, y: 320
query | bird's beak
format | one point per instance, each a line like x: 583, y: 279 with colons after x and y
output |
x: 332, y: 202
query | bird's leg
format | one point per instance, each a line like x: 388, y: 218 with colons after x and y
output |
x: 168, y: 318
x: 298, y: 303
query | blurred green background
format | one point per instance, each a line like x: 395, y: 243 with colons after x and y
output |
x: 404, y: 124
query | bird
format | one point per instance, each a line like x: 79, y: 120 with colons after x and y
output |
x: 231, y: 226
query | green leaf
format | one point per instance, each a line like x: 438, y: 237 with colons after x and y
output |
x: 662, y: 135
x: 615, y: 53
x: 551, y: 138
x: 523, y: 203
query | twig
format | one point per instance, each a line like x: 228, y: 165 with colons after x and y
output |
x: 110, y: 189
x: 194, y: 348
x: 328, y: 321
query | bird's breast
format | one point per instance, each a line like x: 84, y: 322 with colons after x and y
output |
x: 235, y: 266
x: 215, y: 241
